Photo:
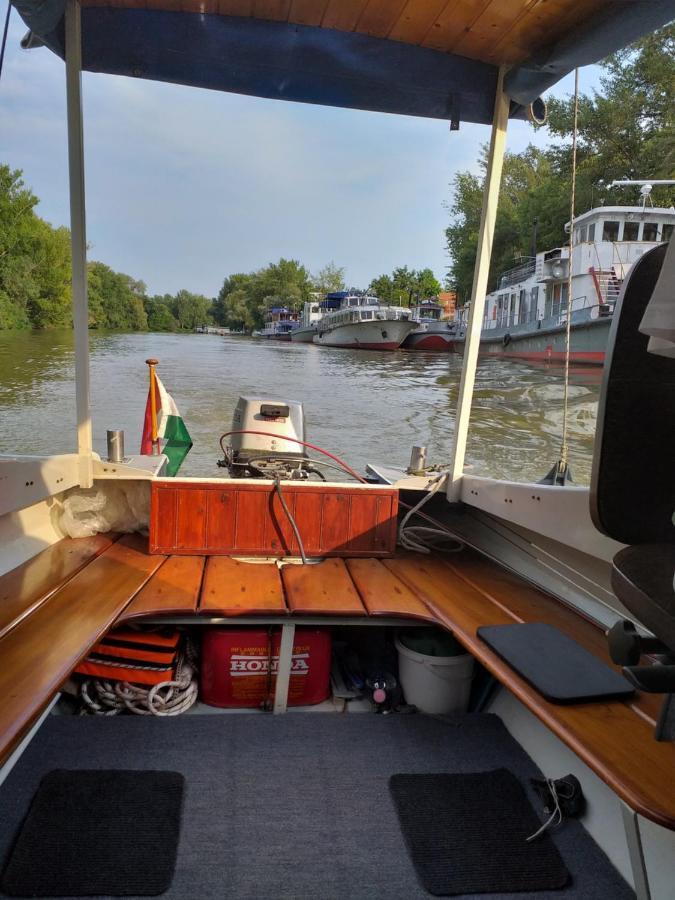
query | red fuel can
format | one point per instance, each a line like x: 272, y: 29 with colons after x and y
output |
x: 235, y: 666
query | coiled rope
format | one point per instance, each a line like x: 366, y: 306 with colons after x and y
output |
x: 424, y: 538
x: 170, y: 698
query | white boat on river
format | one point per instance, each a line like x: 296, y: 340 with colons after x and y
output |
x: 526, y: 317
x: 360, y: 321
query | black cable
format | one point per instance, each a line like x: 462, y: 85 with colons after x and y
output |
x: 277, y: 484
x: 4, y: 35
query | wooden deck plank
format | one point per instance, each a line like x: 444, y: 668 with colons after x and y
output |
x: 321, y: 589
x: 172, y: 590
x: 383, y: 594
x: 27, y: 586
x: 40, y: 653
x: 615, y: 742
x: 235, y: 588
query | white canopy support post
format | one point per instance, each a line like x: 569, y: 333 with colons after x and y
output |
x: 78, y: 239
x: 479, y: 288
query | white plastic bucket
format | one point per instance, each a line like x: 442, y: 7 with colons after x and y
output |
x: 435, y: 684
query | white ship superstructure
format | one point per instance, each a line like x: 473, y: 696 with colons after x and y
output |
x: 526, y: 316
x: 360, y: 321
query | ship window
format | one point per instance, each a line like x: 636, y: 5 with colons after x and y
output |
x: 610, y: 232
x: 630, y: 231
x: 366, y: 315
x: 666, y: 232
x: 649, y: 230
x: 534, y: 300
x: 591, y: 232
x: 581, y: 235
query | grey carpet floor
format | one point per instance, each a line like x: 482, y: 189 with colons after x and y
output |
x: 294, y: 806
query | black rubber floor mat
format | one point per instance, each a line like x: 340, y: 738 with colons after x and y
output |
x: 559, y: 668
x: 467, y: 834
x: 98, y: 832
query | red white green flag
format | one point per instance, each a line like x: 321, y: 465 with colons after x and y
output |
x: 170, y: 429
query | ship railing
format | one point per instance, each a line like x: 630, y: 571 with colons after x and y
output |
x: 518, y: 273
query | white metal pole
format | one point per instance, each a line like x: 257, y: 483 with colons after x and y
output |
x: 478, y: 290
x: 78, y: 238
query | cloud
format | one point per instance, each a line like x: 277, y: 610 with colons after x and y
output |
x: 185, y: 186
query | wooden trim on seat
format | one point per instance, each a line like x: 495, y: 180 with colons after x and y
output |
x: 383, y: 594
x: 27, y: 586
x: 234, y: 588
x: 321, y: 589
x: 174, y: 588
x: 41, y: 652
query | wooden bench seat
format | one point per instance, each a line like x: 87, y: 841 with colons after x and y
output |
x: 615, y: 738
x: 27, y: 586
x: 123, y: 583
x: 43, y: 649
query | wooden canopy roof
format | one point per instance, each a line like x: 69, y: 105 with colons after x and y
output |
x: 492, y: 31
x: 433, y: 58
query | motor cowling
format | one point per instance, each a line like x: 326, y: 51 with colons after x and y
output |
x: 263, y: 440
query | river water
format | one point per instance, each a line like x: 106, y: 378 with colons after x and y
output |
x: 366, y: 406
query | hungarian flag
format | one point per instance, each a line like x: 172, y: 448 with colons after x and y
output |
x: 170, y: 429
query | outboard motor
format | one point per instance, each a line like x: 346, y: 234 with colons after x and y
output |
x: 264, y: 440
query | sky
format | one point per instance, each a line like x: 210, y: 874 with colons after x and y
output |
x: 187, y: 186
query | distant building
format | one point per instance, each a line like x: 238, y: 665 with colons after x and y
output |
x: 448, y: 300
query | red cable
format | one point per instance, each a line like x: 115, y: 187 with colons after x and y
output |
x: 337, y: 459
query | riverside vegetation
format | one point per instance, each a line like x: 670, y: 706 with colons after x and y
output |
x: 626, y: 130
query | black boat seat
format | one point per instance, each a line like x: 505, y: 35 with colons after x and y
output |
x: 642, y: 577
x: 633, y: 481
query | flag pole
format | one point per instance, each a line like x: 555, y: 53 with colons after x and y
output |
x: 153, y: 405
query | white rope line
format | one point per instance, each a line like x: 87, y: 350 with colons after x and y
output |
x: 564, y: 449
x: 170, y: 698
x: 556, y: 816
x: 423, y: 538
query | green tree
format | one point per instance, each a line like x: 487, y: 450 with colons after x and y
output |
x: 328, y: 279
x: 405, y: 286
x: 625, y: 130
x: 18, y: 228
x: 116, y: 300
x: 158, y: 312
x: 237, y: 312
x: 191, y: 310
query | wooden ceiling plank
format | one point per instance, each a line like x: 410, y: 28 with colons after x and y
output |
x: 235, y: 7
x: 416, y: 19
x: 272, y: 10
x: 480, y: 36
x: 307, y: 12
x: 379, y: 17
x: 343, y: 14
x: 452, y: 23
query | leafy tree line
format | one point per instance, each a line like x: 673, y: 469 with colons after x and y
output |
x: 626, y: 129
x: 35, y: 287
x: 244, y: 299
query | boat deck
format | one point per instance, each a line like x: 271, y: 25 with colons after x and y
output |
x: 296, y: 806
x: 121, y: 582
